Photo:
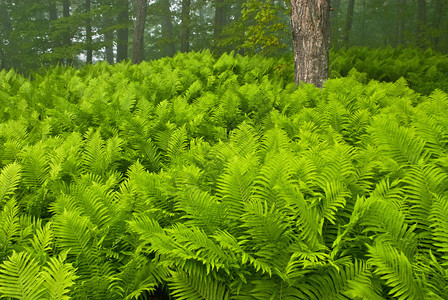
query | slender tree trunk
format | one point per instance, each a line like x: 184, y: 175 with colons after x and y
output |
x: 421, y: 23
x: 437, y: 20
x: 67, y: 37
x: 109, y: 41
x: 310, y: 24
x: 185, y: 27
x: 167, y: 29
x: 52, y: 10
x: 123, y: 32
x: 88, y: 33
x: 401, y: 21
x: 138, y: 47
x: 348, y: 21
x: 5, y: 29
x: 220, y: 18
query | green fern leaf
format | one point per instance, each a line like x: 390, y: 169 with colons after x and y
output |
x: 20, y: 278
x: 58, y: 277
x: 396, y: 270
x: 185, y: 287
x: 9, y: 180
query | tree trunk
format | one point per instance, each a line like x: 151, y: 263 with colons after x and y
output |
x: 421, y: 23
x: 401, y: 21
x: 5, y: 23
x: 67, y: 37
x: 167, y: 29
x: 310, y: 26
x: 220, y: 18
x: 185, y: 27
x: 348, y: 21
x: 88, y: 34
x: 109, y: 41
x: 138, y: 48
x: 437, y: 20
x: 123, y: 32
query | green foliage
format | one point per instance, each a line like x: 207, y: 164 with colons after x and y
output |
x: 218, y: 179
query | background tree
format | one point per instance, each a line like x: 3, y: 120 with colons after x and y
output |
x: 139, y: 32
x: 310, y: 24
x: 168, y: 48
x: 123, y: 30
x: 185, y: 26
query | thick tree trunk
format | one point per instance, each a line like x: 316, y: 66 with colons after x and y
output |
x: 123, y: 32
x: 5, y: 23
x: 220, y: 18
x: 437, y: 20
x: 421, y: 23
x: 138, y: 48
x: 88, y: 34
x: 109, y: 41
x: 167, y: 29
x: 348, y: 21
x: 310, y: 24
x: 185, y: 27
x: 401, y: 21
x: 67, y: 37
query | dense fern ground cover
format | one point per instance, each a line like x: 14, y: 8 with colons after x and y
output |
x: 219, y: 179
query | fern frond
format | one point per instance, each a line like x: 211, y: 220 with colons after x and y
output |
x: 439, y: 225
x: 9, y: 222
x: 35, y: 169
x: 9, y: 180
x: 185, y: 286
x: 58, y: 277
x: 388, y: 223
x: 236, y: 184
x: 395, y: 269
x: 20, y: 278
x: 201, y: 209
x: 398, y: 142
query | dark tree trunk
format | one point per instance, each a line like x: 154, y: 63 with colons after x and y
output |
x: 348, y: 21
x: 310, y: 25
x: 52, y: 10
x: 421, y: 23
x: 437, y: 20
x: 67, y: 37
x: 123, y: 32
x: 109, y: 41
x: 220, y: 18
x: 138, y: 48
x: 167, y: 29
x: 185, y: 27
x: 5, y: 23
x: 88, y: 34
x: 401, y: 21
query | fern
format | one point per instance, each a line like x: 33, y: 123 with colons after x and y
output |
x: 19, y: 277
x: 9, y: 179
x: 184, y: 286
x: 396, y: 270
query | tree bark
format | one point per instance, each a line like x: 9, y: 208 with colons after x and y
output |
x: 167, y: 29
x: 310, y: 26
x: 421, y: 23
x: 138, y: 48
x: 401, y: 21
x: 67, y: 37
x: 185, y: 27
x: 88, y: 33
x: 220, y: 18
x: 437, y: 20
x: 348, y: 21
x: 123, y: 32
x: 5, y: 23
x: 109, y: 41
